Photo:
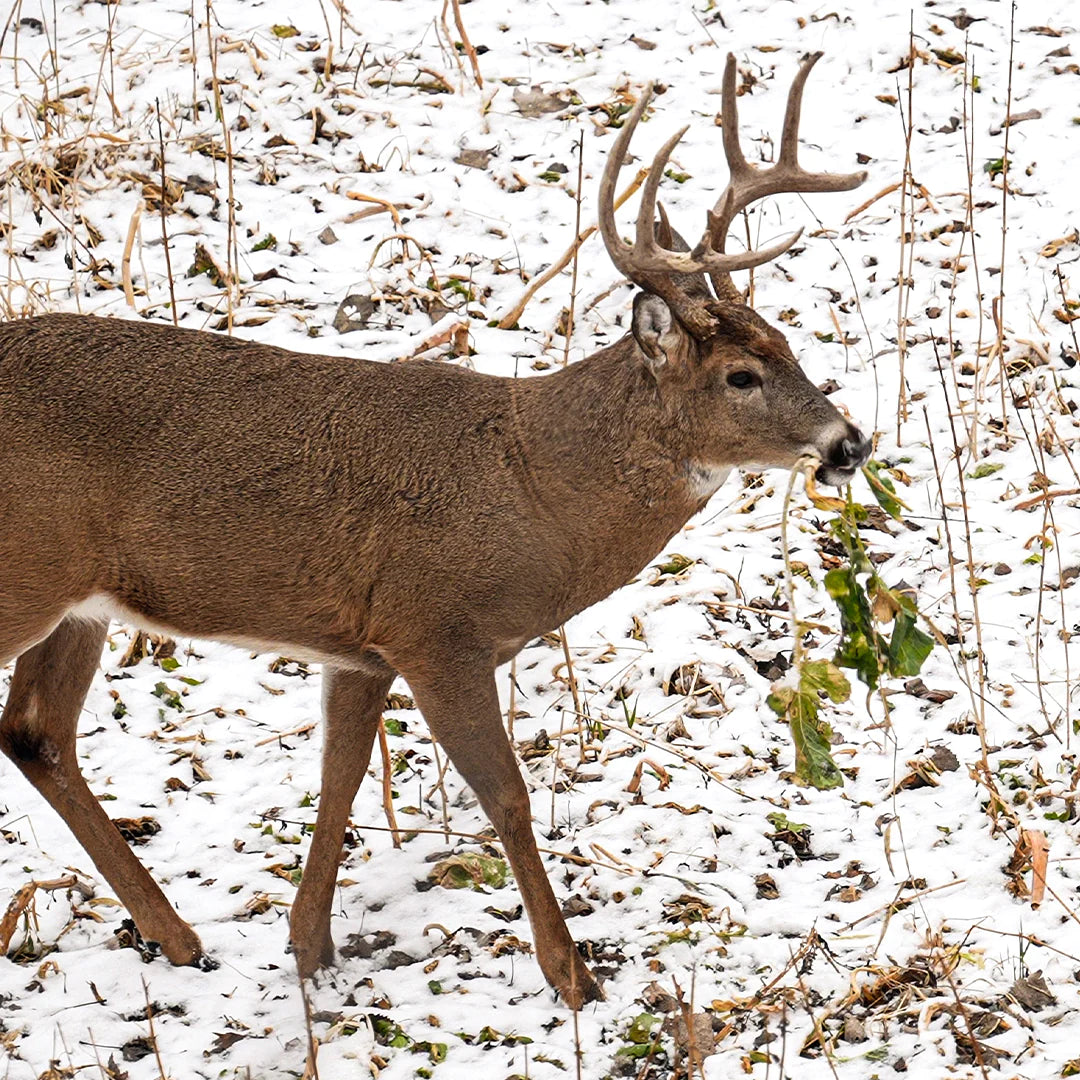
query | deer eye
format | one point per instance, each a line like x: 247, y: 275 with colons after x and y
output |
x: 742, y: 380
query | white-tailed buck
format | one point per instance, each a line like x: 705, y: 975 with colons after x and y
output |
x: 412, y: 518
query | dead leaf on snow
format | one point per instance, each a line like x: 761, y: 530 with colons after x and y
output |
x: 917, y: 688
x: 136, y: 1049
x: 687, y: 908
x: 222, y: 1041
x: 137, y: 830
x: 536, y: 102
x: 1040, y: 853
x: 846, y: 894
x: 1032, y: 992
x: 474, y: 159
x: 469, y: 870
x: 699, y: 1039
x: 766, y: 888
x: 1016, y: 118
x: 353, y: 313
x: 686, y: 810
x: 661, y: 774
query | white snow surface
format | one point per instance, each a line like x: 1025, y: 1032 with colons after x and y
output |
x: 926, y: 866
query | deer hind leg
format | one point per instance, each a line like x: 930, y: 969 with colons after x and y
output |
x: 463, y: 713
x: 352, y: 705
x: 37, y: 732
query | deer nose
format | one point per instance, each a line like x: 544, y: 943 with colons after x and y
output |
x: 853, y: 451
x: 850, y: 450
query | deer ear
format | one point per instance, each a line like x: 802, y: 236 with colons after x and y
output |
x: 656, y: 330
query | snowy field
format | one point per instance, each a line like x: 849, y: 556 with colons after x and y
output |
x: 924, y: 918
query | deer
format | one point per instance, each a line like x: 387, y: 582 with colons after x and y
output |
x: 416, y: 519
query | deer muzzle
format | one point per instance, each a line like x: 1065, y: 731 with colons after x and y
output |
x: 849, y: 451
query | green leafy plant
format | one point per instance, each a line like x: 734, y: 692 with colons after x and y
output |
x: 639, y: 1039
x: 470, y: 870
x: 865, y: 602
x: 867, y: 606
x: 167, y: 695
x: 800, y: 705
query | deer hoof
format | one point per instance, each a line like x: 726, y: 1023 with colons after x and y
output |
x: 580, y: 987
x: 185, y: 950
x: 310, y: 961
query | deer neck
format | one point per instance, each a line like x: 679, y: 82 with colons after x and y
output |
x: 608, y: 457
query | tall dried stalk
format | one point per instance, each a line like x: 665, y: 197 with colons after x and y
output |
x: 440, y: 786
x: 153, y: 1036
x: 968, y: 129
x: 125, y: 260
x: 569, y: 329
x: 13, y: 19
x: 980, y: 697
x: 466, y: 44
x: 999, y: 303
x: 511, y: 709
x: 328, y: 63
x: 571, y: 678
x: 387, y: 785
x: 574, y: 264
x: 907, y: 238
x: 231, y: 259
x: 164, y: 231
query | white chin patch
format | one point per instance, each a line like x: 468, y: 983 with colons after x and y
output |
x: 704, y: 480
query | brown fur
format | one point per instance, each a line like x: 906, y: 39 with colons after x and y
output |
x: 414, y: 518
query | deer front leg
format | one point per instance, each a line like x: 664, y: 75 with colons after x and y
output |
x: 352, y: 704
x: 37, y: 732
x: 461, y: 707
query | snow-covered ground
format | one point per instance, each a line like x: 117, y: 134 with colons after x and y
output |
x: 890, y: 936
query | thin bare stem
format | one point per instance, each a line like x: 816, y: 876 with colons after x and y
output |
x: 125, y: 259
x: 231, y: 260
x: 999, y: 305
x: 574, y: 267
x: 511, y: 709
x: 387, y: 784
x: 907, y: 239
x: 970, y: 561
x: 164, y: 231
x: 571, y: 678
x: 466, y: 44
x: 328, y: 63
x: 440, y: 785
x: 150, y: 1026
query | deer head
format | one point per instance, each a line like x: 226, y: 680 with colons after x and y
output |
x: 742, y: 397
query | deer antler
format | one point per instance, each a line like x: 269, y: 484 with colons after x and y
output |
x: 651, y: 266
x: 645, y: 262
x: 747, y: 183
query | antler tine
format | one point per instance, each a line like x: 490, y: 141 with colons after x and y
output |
x: 789, y: 139
x: 644, y: 254
x: 617, y: 248
x: 713, y: 260
x: 748, y: 184
x: 645, y: 263
x: 729, y: 124
x: 643, y: 238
